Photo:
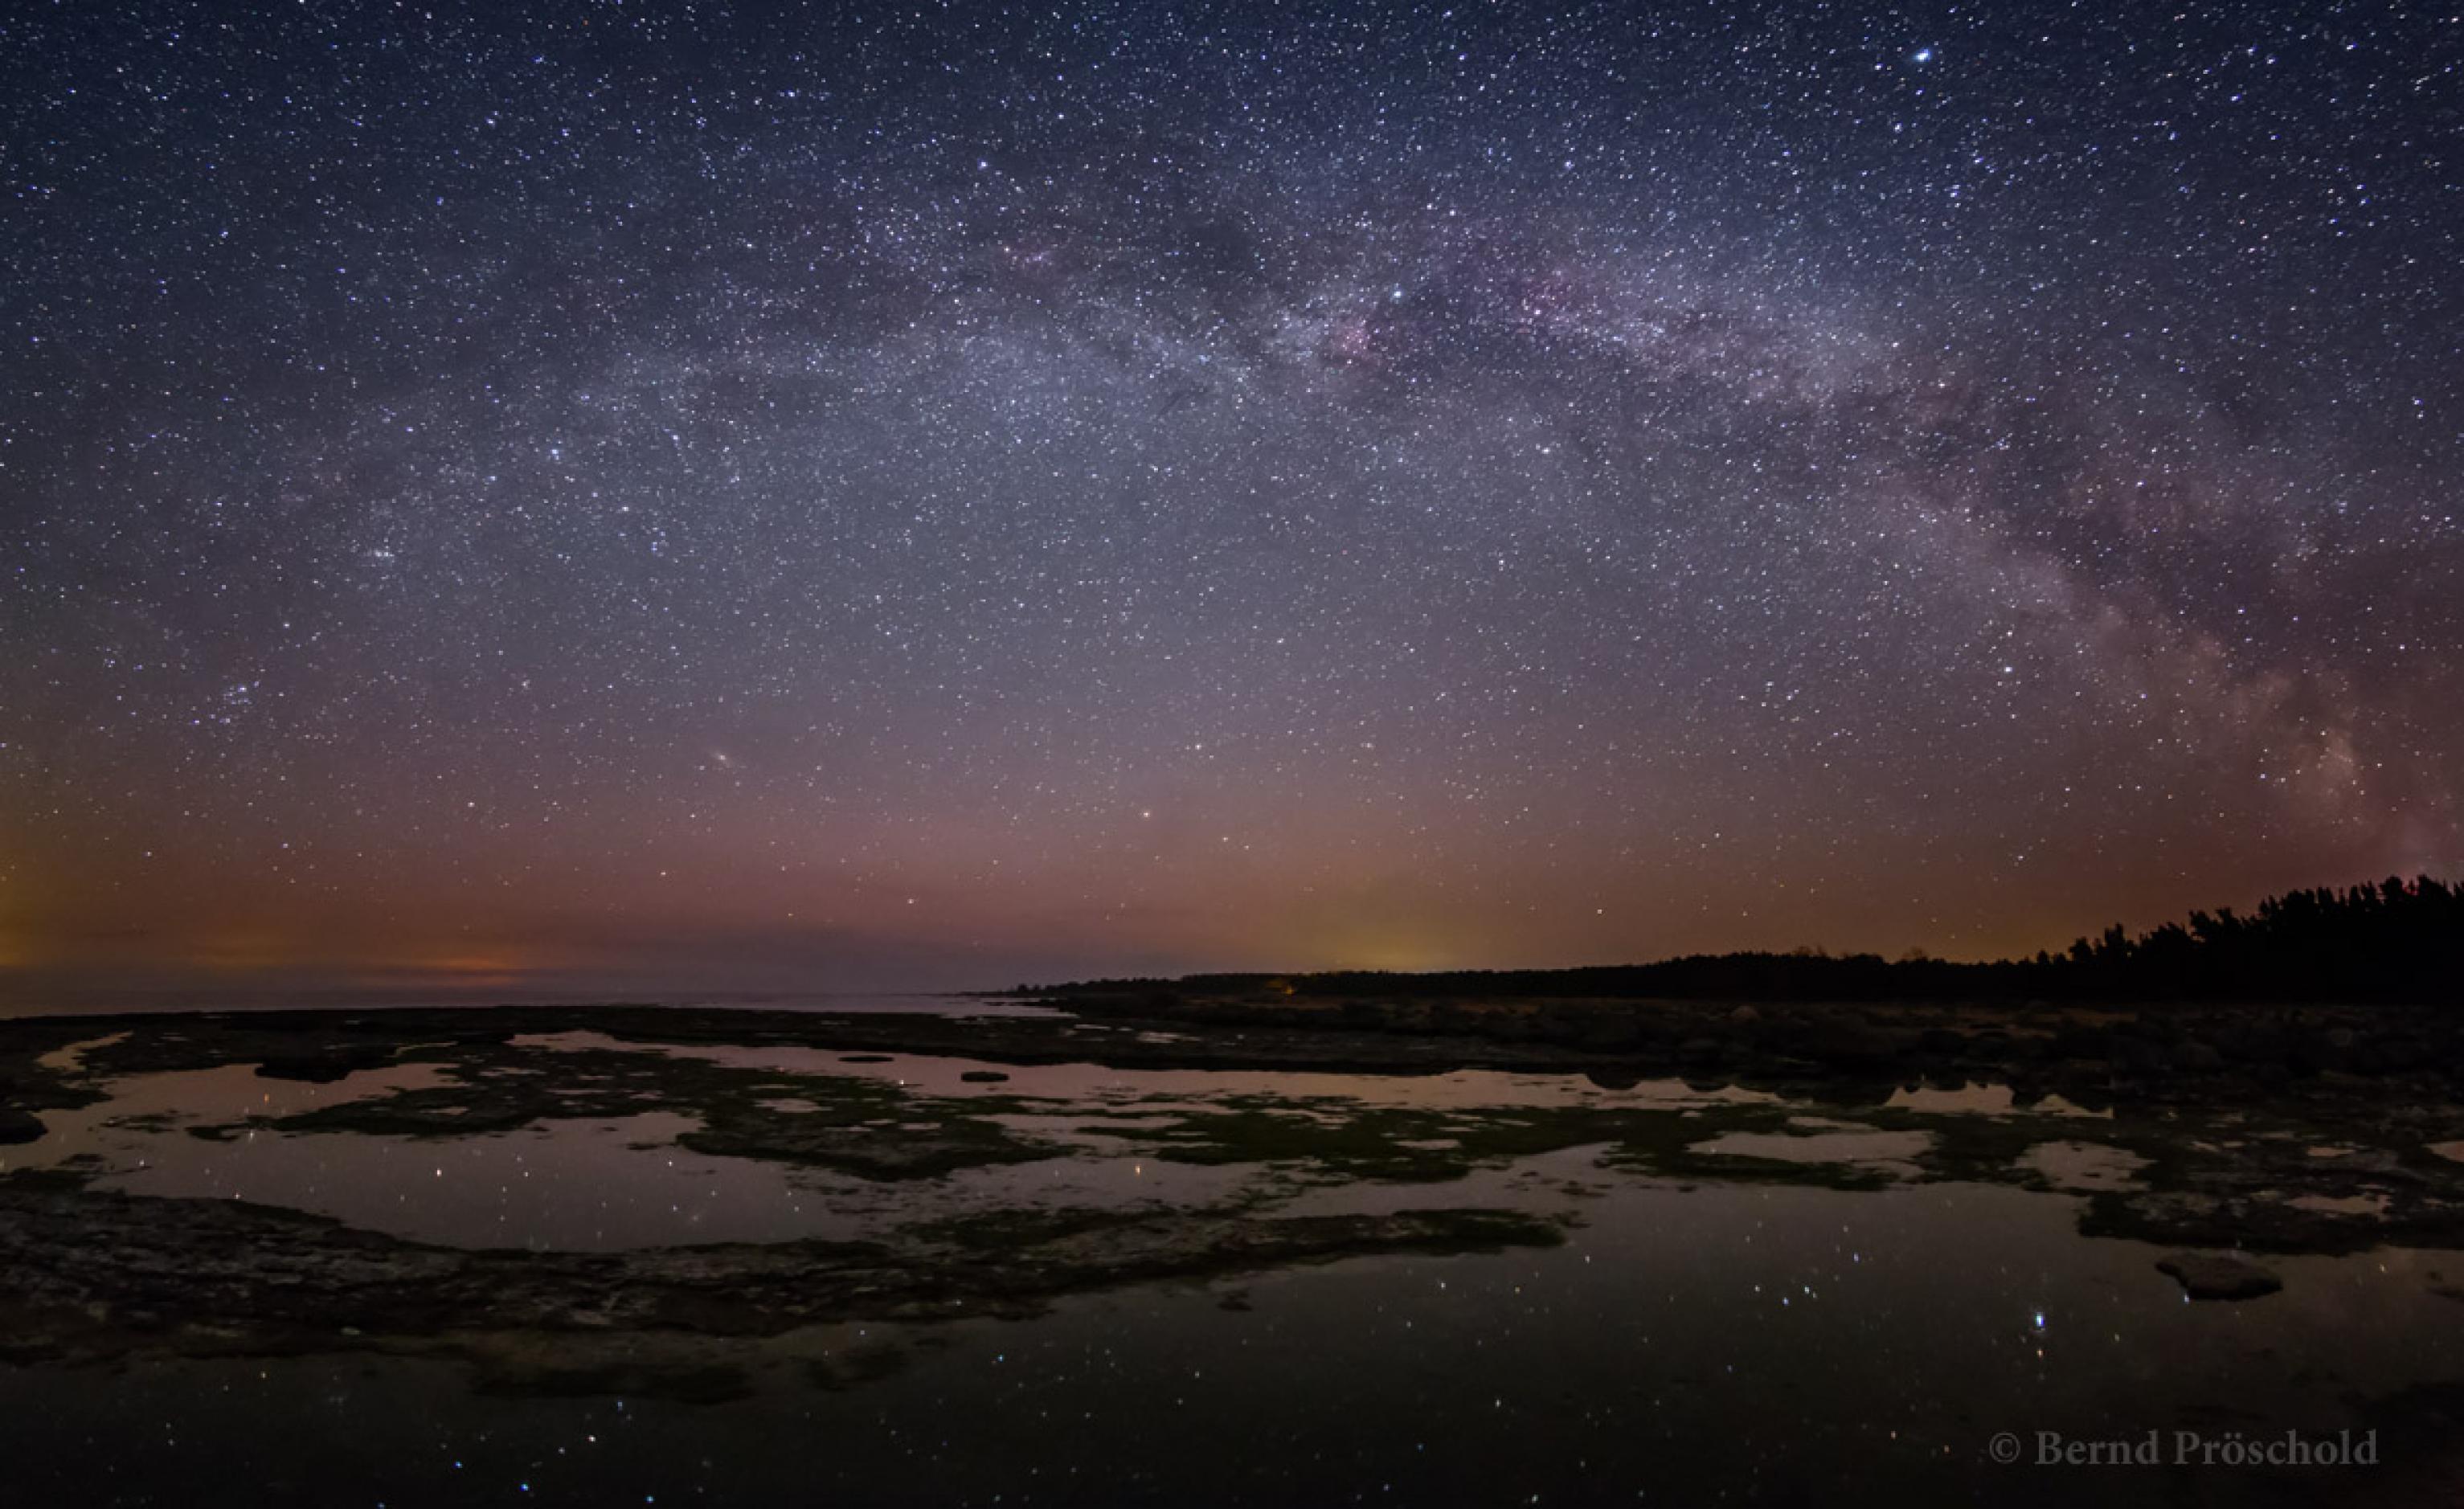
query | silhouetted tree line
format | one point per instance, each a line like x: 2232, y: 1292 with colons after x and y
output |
x: 2397, y: 941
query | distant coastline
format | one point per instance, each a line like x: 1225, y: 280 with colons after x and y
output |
x: 2396, y: 942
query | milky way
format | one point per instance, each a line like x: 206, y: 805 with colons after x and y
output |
x: 665, y: 496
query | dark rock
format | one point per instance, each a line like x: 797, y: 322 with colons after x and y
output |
x: 984, y: 1077
x: 1846, y: 1040
x: 99, y: 1275
x: 1611, y: 1034
x: 325, y: 1066
x: 2139, y: 1055
x: 2219, y: 1275
x: 2082, y: 1042
x: 2392, y: 1055
x: 2078, y: 1077
x: 2197, y: 1057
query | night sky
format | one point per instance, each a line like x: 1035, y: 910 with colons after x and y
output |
x: 677, y: 498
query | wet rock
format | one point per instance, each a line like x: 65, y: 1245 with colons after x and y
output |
x: 2082, y: 1042
x: 2139, y: 1055
x: 1609, y: 1035
x: 2393, y: 1055
x: 1846, y: 1041
x: 984, y: 1077
x: 103, y: 1277
x: 2219, y: 1275
x: 1820, y: 1047
x: 325, y: 1066
x: 2196, y: 1058
x: 2077, y: 1079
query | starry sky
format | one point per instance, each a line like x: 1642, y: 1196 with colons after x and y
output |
x: 598, y: 496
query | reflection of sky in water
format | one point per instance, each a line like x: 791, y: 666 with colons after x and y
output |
x: 582, y: 1185
x: 1777, y: 1343
x: 142, y: 1123
x: 1690, y: 1336
x: 610, y: 1183
x: 1090, y: 1083
x: 1984, y: 1100
x: 1885, y: 1151
x: 872, y: 1005
x: 2083, y: 1165
x: 593, y: 1185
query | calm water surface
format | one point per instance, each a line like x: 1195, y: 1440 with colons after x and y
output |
x: 1693, y: 1340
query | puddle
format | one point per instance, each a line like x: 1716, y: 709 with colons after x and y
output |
x: 1891, y: 1150
x: 2084, y: 1166
x: 1984, y: 1100
x: 1729, y: 1258
x: 2345, y: 1205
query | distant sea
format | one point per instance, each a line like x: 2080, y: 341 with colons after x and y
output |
x: 927, y: 1003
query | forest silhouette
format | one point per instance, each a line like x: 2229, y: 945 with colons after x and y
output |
x: 2397, y: 942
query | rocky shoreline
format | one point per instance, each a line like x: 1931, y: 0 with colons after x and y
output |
x: 2086, y: 1053
x: 87, y: 1274
x: 2311, y: 1131
x: 2095, y: 1056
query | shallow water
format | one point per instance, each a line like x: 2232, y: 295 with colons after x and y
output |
x: 1719, y: 1323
